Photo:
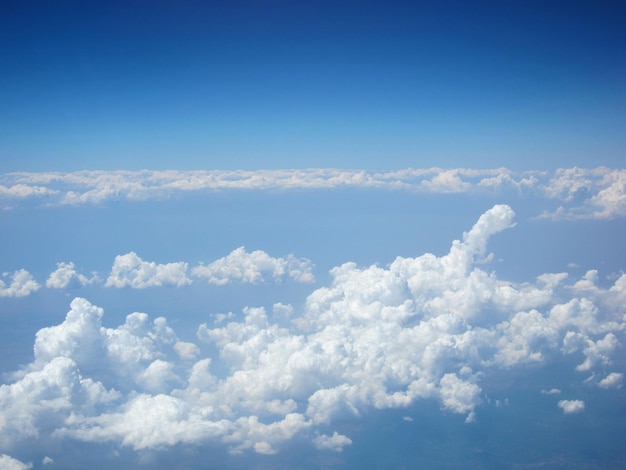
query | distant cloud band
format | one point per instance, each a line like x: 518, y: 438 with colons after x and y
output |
x: 596, y: 193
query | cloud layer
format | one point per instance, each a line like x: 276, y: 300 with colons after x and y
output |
x: 596, y: 193
x: 424, y: 328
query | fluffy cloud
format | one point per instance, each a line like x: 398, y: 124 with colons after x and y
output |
x: 186, y: 350
x: 613, y: 380
x: 336, y: 442
x: 596, y: 193
x: 21, y: 284
x: 130, y: 270
x: 9, y: 463
x: 66, y: 276
x: 424, y: 328
x: 254, y: 268
x: 43, y: 398
x: 572, y: 406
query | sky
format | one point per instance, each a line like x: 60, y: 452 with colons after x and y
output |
x: 275, y: 84
x: 312, y: 235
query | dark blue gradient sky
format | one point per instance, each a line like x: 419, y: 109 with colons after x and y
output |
x: 305, y: 84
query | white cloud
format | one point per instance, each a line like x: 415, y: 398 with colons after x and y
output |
x: 446, y: 181
x: 379, y: 337
x: 9, y: 463
x: 146, y: 421
x: 552, y: 391
x: 185, y: 350
x: 22, y: 284
x: 130, y: 270
x: 598, y: 352
x: 610, y: 202
x: 613, y: 380
x: 254, y: 268
x: 336, y: 442
x: 595, y: 193
x: 22, y: 191
x: 43, y: 398
x: 282, y: 310
x: 132, y: 355
x: 572, y: 406
x: 66, y: 276
x: 458, y: 395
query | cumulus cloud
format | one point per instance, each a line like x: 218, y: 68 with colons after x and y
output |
x: 43, y: 398
x: 21, y: 284
x: 254, y: 268
x: 130, y: 270
x: 9, y: 463
x: 336, y: 442
x: 186, y: 350
x: 598, y: 193
x: 282, y: 310
x: 594, y: 193
x: 613, y: 380
x: 459, y: 395
x: 572, y: 406
x: 66, y: 276
x: 423, y: 328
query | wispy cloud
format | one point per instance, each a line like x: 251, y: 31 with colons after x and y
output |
x: 596, y: 193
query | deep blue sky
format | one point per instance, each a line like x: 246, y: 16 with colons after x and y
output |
x: 144, y: 84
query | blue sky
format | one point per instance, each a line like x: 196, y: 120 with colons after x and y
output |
x: 293, y: 84
x: 312, y: 235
